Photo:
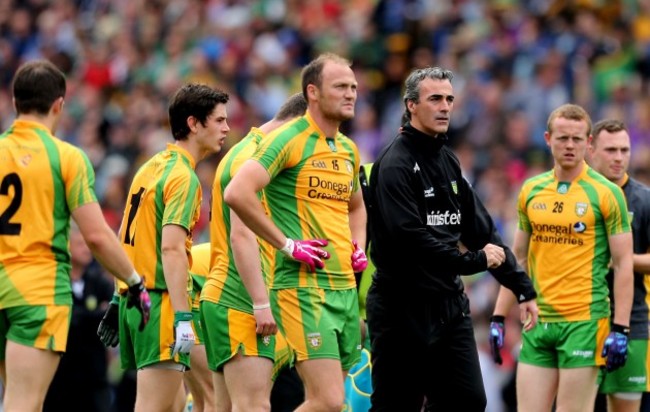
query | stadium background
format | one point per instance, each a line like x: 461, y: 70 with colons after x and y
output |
x: 514, y: 61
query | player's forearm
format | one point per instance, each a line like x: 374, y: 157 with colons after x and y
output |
x: 505, y: 300
x: 621, y: 247
x: 358, y: 221
x: 176, y: 271
x: 109, y: 253
x: 623, y: 292
x: 250, y: 211
x: 245, y: 250
x: 642, y: 263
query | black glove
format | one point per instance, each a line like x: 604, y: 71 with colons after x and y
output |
x: 108, y: 330
x: 138, y: 296
x: 497, y: 336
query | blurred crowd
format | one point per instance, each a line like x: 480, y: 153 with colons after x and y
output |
x: 514, y: 61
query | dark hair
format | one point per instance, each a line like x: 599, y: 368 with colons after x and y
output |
x: 412, y: 83
x: 571, y: 112
x: 295, y: 106
x: 36, y: 86
x: 608, y: 125
x: 196, y: 100
x: 312, y: 73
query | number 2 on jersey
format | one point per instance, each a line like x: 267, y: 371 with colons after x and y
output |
x: 6, y: 226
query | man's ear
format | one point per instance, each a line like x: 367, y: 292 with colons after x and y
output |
x: 191, y: 123
x: 57, y: 106
x: 312, y: 91
x: 410, y: 105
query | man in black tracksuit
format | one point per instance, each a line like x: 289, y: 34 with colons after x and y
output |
x: 421, y: 210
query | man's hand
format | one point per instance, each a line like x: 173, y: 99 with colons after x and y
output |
x: 308, y: 252
x: 183, y: 333
x: 497, y: 336
x: 108, y: 330
x: 495, y: 255
x: 528, y: 314
x: 264, y: 322
x: 359, y: 259
x: 138, y: 296
x: 615, y: 348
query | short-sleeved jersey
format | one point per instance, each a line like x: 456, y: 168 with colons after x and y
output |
x: 164, y: 191
x: 42, y: 180
x: 313, y: 177
x: 568, y: 257
x: 200, y: 260
x: 199, y: 270
x: 638, y: 204
x: 224, y: 285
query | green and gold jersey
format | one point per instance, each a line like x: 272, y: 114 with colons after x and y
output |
x: 313, y: 177
x: 42, y: 180
x: 199, y: 271
x: 224, y: 285
x: 568, y: 257
x: 164, y: 191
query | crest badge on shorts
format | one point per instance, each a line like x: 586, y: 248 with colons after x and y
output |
x: 314, y: 340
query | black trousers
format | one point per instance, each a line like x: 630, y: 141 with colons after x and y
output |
x: 288, y: 391
x: 423, y: 347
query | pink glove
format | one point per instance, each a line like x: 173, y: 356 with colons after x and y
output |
x: 308, y: 252
x: 359, y: 259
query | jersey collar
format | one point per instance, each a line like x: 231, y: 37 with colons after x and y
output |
x: 172, y: 147
x: 19, y: 123
x: 626, y: 179
x: 422, y: 140
x: 582, y: 175
x: 313, y: 124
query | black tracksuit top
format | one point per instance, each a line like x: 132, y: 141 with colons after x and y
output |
x: 420, y: 208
